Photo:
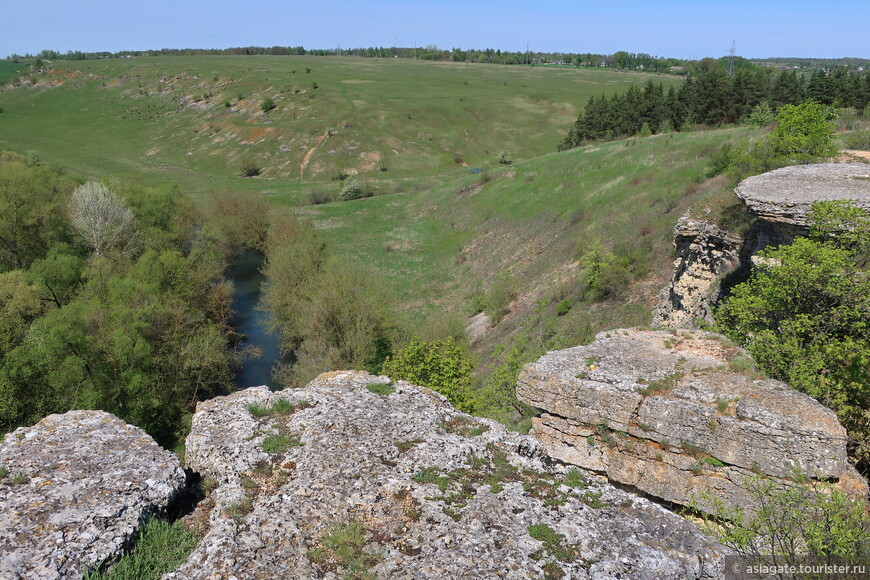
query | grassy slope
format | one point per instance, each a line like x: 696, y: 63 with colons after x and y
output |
x: 435, y: 249
x: 165, y: 118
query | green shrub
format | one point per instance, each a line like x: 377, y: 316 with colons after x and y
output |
x: 441, y: 365
x: 804, y: 522
x: 858, y: 140
x: 351, y: 189
x: 500, y: 294
x: 267, y: 104
x: 762, y: 115
x: 504, y: 158
x: 563, y: 307
x: 249, y: 168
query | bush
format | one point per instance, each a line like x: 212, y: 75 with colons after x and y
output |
x: 793, y: 525
x: 249, y: 168
x: 762, y: 115
x: 498, y: 297
x: 803, y: 318
x: 504, y: 158
x: 267, y: 104
x: 351, y: 189
x: 858, y: 140
x: 441, y: 365
x: 803, y: 132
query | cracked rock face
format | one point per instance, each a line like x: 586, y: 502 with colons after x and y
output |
x: 786, y: 195
x: 77, y: 486
x: 670, y: 414
x: 433, y: 493
x: 704, y: 253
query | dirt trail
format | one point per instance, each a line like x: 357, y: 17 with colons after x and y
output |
x: 305, y: 158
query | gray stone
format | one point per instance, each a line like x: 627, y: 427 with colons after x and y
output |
x: 667, y: 413
x: 91, y: 479
x: 362, y: 458
x: 786, y: 195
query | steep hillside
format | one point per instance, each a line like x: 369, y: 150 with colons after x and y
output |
x: 192, y: 120
x: 591, y: 226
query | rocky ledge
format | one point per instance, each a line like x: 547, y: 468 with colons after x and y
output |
x: 354, y: 474
x: 76, y: 488
x: 675, y: 414
x: 785, y: 195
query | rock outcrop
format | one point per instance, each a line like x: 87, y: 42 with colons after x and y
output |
x: 785, y: 196
x: 77, y: 487
x: 704, y: 253
x: 673, y: 415
x: 350, y: 471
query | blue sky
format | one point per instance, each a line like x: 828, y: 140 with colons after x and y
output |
x: 678, y: 28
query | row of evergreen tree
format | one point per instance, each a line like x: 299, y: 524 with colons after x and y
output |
x: 712, y: 97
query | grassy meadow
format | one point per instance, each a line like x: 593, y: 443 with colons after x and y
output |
x: 402, y: 125
x: 533, y: 222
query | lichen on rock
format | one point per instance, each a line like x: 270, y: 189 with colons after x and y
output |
x: 78, y: 486
x: 429, y: 492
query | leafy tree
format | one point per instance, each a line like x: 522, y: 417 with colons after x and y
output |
x: 803, y: 316
x: 762, y: 115
x: 350, y: 189
x: 803, y: 132
x: 102, y: 218
x: 441, y: 365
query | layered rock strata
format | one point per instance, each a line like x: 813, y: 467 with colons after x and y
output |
x: 785, y: 196
x: 428, y: 492
x: 674, y: 415
x: 77, y: 487
x: 704, y: 253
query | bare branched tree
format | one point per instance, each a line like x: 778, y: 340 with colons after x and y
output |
x: 102, y: 218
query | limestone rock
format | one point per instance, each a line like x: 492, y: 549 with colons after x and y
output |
x: 438, y: 493
x: 785, y: 195
x: 667, y: 413
x: 77, y: 487
x: 704, y: 253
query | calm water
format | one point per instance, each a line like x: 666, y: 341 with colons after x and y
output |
x: 251, y: 322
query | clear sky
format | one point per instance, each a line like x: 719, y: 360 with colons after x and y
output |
x: 674, y: 28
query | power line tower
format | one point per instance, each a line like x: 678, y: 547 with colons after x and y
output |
x: 731, y: 58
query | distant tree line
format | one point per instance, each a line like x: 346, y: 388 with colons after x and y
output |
x: 710, y: 96
x: 620, y: 60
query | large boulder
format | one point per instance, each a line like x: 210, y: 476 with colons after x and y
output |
x: 786, y: 195
x: 355, y: 474
x: 77, y: 487
x: 676, y: 414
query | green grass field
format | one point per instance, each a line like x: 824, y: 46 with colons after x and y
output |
x: 402, y: 125
x: 9, y: 70
x: 436, y: 249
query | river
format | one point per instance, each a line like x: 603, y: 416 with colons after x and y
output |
x: 250, y: 322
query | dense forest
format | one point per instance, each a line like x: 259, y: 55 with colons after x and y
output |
x: 711, y: 97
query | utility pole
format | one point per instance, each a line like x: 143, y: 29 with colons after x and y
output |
x: 731, y: 58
